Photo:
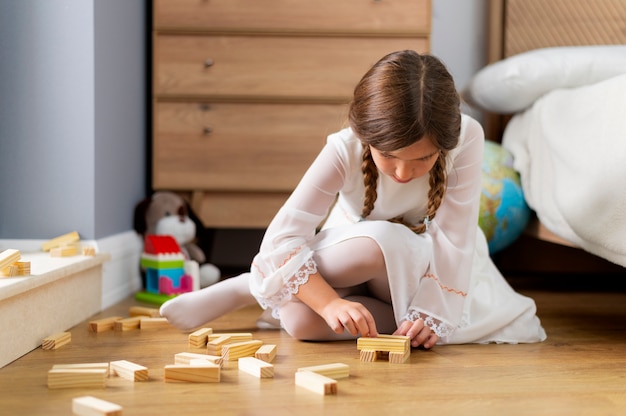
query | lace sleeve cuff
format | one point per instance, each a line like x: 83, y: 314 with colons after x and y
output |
x: 442, y: 329
x: 290, y: 287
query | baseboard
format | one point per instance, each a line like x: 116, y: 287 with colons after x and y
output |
x: 120, y: 275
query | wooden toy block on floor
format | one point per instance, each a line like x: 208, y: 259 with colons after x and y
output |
x: 144, y: 311
x: 61, y: 240
x: 56, y: 341
x: 185, y: 358
x: 317, y: 383
x: 234, y: 351
x: 216, y: 341
x: 256, y: 367
x: 214, y: 346
x: 396, y: 347
x: 129, y: 371
x: 59, y: 378
x: 334, y: 370
x: 154, y: 323
x: 104, y: 324
x: 266, y: 353
x: 233, y: 336
x: 92, y: 406
x: 83, y: 366
x: 199, y: 338
x: 127, y: 324
x: 197, y: 373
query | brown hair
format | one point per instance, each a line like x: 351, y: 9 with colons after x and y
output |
x: 402, y: 98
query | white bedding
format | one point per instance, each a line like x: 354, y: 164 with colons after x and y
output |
x: 570, y: 150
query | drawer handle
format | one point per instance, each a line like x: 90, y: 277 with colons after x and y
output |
x: 207, y: 130
x: 208, y: 63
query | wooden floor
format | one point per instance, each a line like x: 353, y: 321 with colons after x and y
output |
x: 579, y: 370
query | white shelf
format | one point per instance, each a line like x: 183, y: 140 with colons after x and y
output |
x: 59, y: 293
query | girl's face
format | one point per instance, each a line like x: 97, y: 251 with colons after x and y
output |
x: 408, y: 163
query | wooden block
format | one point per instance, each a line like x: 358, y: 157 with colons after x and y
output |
x: 368, y: 355
x: 199, y: 338
x: 266, y: 353
x: 23, y: 268
x: 144, y: 311
x: 234, y: 351
x: 129, y: 371
x: 256, y: 367
x: 91, y: 406
x: 396, y: 348
x: 127, y: 324
x: 399, y: 357
x: 60, y: 240
x: 317, y: 383
x: 104, y: 324
x: 185, y: 358
x: 397, y: 343
x: 89, y: 251
x: 214, y: 346
x: 83, y: 366
x: 334, y: 370
x: 204, y: 373
x: 215, y: 342
x: 19, y: 268
x: 154, y: 323
x: 8, y: 257
x: 234, y: 336
x: 63, y: 251
x: 56, y: 340
x: 59, y: 378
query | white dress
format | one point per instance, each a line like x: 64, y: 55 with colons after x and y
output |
x: 444, y: 276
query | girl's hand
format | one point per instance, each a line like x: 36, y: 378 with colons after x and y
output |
x: 419, y: 333
x: 341, y: 314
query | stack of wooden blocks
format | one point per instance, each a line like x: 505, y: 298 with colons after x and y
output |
x: 11, y: 266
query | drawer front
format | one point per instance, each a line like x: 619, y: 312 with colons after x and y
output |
x: 237, y: 210
x: 337, y: 16
x: 310, y: 68
x: 239, y: 147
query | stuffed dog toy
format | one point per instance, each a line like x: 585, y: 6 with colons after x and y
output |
x: 167, y: 213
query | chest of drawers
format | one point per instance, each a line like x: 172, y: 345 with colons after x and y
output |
x: 246, y: 91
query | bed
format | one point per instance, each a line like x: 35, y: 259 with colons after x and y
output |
x: 554, y: 94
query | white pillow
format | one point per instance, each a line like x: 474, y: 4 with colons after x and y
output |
x: 513, y: 84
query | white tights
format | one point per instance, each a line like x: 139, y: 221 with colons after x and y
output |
x: 354, y: 267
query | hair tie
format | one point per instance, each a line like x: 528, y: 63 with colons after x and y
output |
x: 426, y: 222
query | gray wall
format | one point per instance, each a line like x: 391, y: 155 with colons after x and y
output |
x: 73, y: 108
x: 459, y: 38
x: 72, y: 116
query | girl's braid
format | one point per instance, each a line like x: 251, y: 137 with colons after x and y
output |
x: 370, y: 178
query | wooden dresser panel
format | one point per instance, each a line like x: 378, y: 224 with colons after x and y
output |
x: 239, y: 147
x: 334, y: 16
x: 245, y: 92
x: 304, y: 68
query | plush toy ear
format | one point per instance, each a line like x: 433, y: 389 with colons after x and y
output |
x: 139, y: 221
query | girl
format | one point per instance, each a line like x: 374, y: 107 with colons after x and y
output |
x: 400, y: 250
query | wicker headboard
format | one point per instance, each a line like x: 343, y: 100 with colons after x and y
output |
x: 517, y: 26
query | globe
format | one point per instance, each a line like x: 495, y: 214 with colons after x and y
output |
x: 504, y: 212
